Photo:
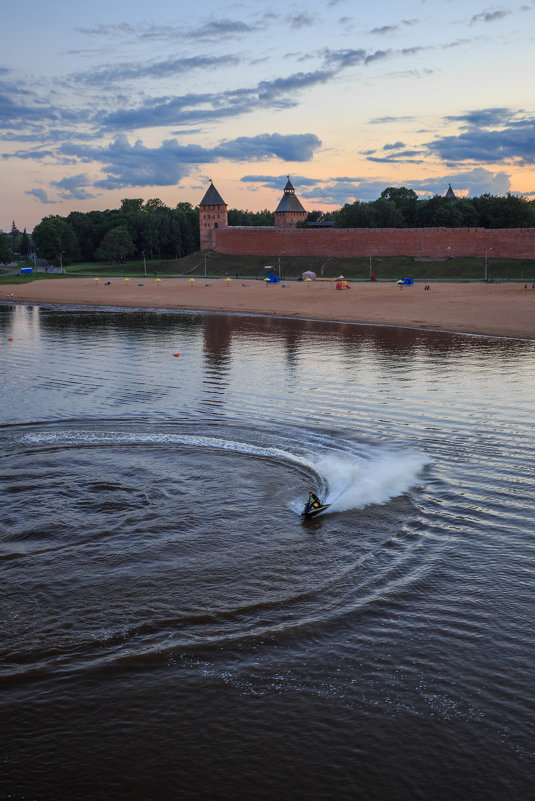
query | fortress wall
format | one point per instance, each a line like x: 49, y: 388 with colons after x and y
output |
x: 432, y: 243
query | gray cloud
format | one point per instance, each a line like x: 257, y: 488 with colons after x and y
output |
x: 388, y: 120
x: 156, y: 69
x: 195, y: 108
x: 474, y: 183
x: 483, y: 117
x: 346, y: 189
x: 215, y: 29
x: 302, y: 20
x: 221, y: 28
x: 138, y: 165
x: 491, y: 135
x: 489, y: 16
x: 515, y: 142
x: 400, y: 157
x: 385, y: 29
x: 40, y: 194
x: 73, y: 187
x: 278, y: 181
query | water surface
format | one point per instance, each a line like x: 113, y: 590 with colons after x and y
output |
x: 172, y: 628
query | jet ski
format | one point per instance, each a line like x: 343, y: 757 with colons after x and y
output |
x: 313, y: 508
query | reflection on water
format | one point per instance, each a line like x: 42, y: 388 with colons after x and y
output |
x: 171, y: 626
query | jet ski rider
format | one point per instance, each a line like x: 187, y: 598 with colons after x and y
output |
x: 314, y: 500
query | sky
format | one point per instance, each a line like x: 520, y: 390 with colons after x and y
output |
x: 102, y: 101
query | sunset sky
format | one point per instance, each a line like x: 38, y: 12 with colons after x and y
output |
x: 107, y: 100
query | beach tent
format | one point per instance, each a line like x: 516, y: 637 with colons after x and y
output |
x: 310, y: 275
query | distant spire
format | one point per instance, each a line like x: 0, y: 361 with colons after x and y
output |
x: 289, y: 188
x: 450, y: 194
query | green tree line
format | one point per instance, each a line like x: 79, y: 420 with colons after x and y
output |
x: 138, y: 228
x: 399, y: 207
x: 152, y: 230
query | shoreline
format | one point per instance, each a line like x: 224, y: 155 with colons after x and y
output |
x: 499, y: 310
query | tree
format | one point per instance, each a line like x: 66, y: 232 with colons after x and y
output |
x: 116, y: 245
x: 16, y: 236
x: 5, y: 248
x: 510, y: 211
x: 25, y: 244
x: 405, y: 200
x: 131, y: 204
x: 384, y: 213
x: 352, y: 215
x: 54, y: 236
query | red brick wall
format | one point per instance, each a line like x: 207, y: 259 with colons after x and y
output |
x: 432, y: 243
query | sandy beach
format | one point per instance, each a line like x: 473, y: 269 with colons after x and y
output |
x: 504, y: 309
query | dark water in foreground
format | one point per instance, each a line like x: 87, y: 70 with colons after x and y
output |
x: 172, y: 629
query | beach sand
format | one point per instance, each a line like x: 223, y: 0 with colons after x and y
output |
x: 505, y: 309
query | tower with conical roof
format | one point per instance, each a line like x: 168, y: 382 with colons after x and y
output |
x: 212, y: 215
x: 450, y: 194
x: 289, y: 211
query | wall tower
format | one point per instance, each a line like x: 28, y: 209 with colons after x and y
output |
x: 212, y: 215
x: 289, y: 211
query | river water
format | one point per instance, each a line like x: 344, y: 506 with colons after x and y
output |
x: 172, y: 628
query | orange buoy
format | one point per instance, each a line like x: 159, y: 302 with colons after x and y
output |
x: 176, y: 354
x: 11, y: 339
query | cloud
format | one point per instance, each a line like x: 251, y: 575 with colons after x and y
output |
x: 395, y: 153
x: 221, y: 28
x: 278, y: 181
x: 40, y: 194
x: 473, y: 183
x: 489, y: 135
x: 483, y: 117
x: 514, y: 142
x: 302, y: 20
x: 400, y: 157
x: 72, y: 188
x: 196, y: 108
x: 215, y: 29
x: 166, y: 165
x: 156, y: 69
x: 288, y: 147
x: 388, y: 120
x: 489, y: 16
x: 385, y: 29
x: 339, y: 190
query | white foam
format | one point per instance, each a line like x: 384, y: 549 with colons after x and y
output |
x: 355, y: 482
x: 347, y: 479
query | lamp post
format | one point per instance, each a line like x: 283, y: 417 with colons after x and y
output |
x: 61, y: 260
x: 486, y: 262
x: 144, y: 262
x: 374, y: 251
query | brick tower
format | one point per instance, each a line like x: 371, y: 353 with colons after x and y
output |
x: 289, y: 211
x: 212, y: 215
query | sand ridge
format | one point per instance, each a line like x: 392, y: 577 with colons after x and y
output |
x: 495, y: 309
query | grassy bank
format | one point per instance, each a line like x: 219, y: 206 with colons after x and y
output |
x: 197, y: 265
